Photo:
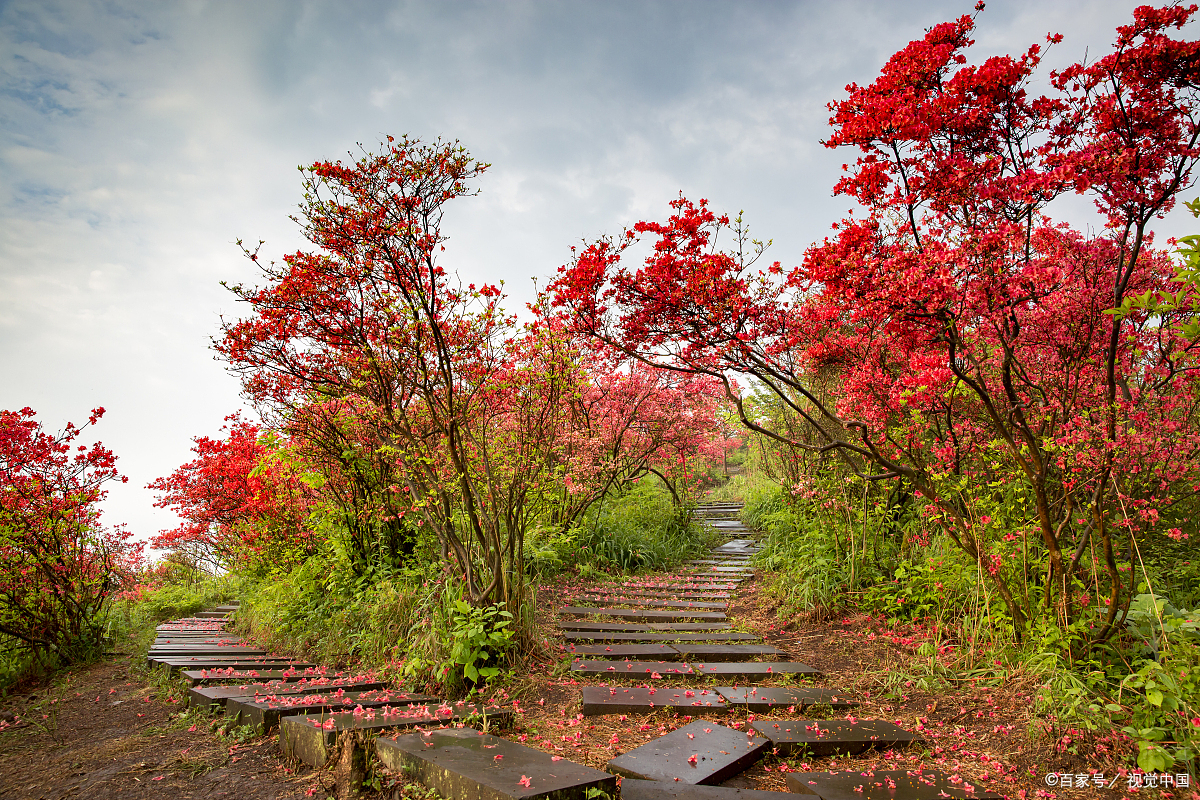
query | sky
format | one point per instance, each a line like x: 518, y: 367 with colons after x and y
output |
x: 140, y: 140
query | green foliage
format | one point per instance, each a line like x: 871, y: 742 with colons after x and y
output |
x: 639, y: 530
x: 410, y: 624
x: 729, y: 491
x: 814, y: 567
x: 481, y: 636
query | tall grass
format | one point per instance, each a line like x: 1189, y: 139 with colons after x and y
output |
x: 640, y: 531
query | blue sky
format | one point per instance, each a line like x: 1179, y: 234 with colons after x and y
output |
x: 138, y: 140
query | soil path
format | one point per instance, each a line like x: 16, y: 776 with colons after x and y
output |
x: 100, y: 732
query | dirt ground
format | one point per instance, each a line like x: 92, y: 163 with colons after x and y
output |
x: 103, y: 732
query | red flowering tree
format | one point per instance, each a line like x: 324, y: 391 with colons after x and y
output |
x: 632, y: 421
x: 58, y: 567
x: 240, y: 502
x: 368, y: 330
x: 954, y: 336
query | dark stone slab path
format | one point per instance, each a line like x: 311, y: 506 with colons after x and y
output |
x: 216, y: 696
x: 632, y: 789
x: 653, y: 627
x: 640, y: 614
x: 753, y: 669
x: 264, y: 713
x: 639, y: 669
x: 601, y: 636
x: 646, y: 602
x: 705, y: 653
x: 884, y: 784
x: 600, y: 700
x: 310, y: 738
x: 202, y: 677
x: 700, y: 752
x: 833, y: 737
x: 662, y: 652
x: 464, y: 765
x: 692, y: 595
x: 775, y: 697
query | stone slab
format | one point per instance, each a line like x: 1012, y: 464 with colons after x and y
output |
x: 462, y: 764
x: 771, y: 698
x: 200, y: 677
x: 753, y: 669
x: 727, y: 652
x: 689, y: 595
x: 650, y: 602
x: 698, y: 753
x: 641, y: 614
x: 632, y: 789
x: 834, y: 736
x: 216, y: 696
x: 311, y: 737
x: 205, y: 649
x: 655, y: 670
x: 174, y: 667
x: 264, y: 712
x: 675, y: 585
x: 622, y: 627
x: 883, y: 784
x: 662, y: 652
x: 659, y: 637
x: 601, y: 700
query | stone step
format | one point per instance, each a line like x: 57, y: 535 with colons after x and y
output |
x: 202, y: 677
x: 311, y: 738
x: 673, y: 584
x: 632, y: 789
x: 209, y: 627
x: 701, y: 752
x: 662, y: 595
x: 646, y: 602
x: 719, y: 562
x: 601, y: 700
x: 753, y: 669
x: 882, y: 784
x: 171, y: 651
x: 770, y: 698
x: 263, y: 713
x: 641, y: 614
x: 211, y: 614
x: 832, y: 737
x: 229, y: 609
x: 460, y: 763
x: 738, y: 670
x: 705, y: 653
x: 215, y: 696
x: 655, y: 670
x: 660, y: 652
x: 660, y: 627
x: 174, y: 667
x: 723, y: 570
x: 599, y: 636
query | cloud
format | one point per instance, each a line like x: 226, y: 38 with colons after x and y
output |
x: 138, y: 140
